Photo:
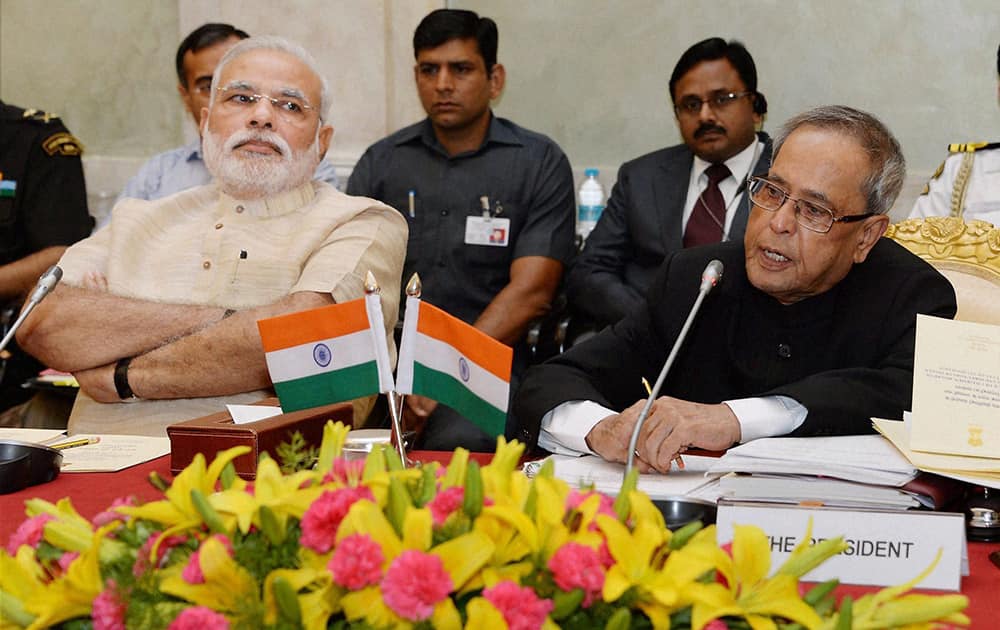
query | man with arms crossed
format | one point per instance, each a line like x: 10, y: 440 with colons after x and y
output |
x: 491, y: 212
x: 810, y: 332
x: 681, y: 196
x: 187, y: 277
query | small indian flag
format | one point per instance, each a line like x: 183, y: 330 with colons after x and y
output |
x: 328, y: 354
x: 444, y: 358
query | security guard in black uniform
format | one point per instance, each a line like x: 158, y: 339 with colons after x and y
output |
x: 43, y: 209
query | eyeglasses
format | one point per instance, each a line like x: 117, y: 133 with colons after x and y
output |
x: 812, y: 216
x: 691, y: 105
x: 290, y: 108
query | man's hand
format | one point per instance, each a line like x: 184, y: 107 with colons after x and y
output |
x: 416, y: 410
x: 99, y: 383
x: 672, y: 427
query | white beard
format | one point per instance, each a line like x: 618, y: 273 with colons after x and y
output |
x: 246, y: 175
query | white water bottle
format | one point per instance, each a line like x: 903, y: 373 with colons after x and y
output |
x: 591, y: 204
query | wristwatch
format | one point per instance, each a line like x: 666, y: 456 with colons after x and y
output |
x: 121, y: 380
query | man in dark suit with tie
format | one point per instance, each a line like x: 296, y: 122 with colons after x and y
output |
x: 681, y: 196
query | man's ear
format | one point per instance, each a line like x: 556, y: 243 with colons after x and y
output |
x: 871, y: 231
x: 498, y: 77
x: 203, y: 121
x: 325, y: 136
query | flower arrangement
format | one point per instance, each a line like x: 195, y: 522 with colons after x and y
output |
x: 367, y: 544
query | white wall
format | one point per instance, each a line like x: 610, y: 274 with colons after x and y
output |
x: 591, y: 74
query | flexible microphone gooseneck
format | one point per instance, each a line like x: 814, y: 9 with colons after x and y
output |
x: 709, y: 278
x: 46, y: 283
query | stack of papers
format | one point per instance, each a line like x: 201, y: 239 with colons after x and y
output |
x: 983, y: 471
x: 803, y: 489
x: 868, y: 459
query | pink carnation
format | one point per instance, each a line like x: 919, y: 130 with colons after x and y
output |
x: 607, y: 560
x: 323, y: 518
x: 414, y: 583
x: 192, y: 572
x: 109, y: 515
x: 108, y: 610
x: 357, y: 562
x: 445, y: 503
x: 142, y: 556
x: 199, y: 618
x: 578, y: 566
x: 716, y: 624
x: 28, y: 533
x: 522, y: 609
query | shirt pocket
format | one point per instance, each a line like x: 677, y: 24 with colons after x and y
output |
x: 250, y: 283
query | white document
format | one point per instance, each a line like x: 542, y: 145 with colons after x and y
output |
x: 112, y: 453
x: 861, y: 458
x: 243, y: 414
x: 956, y: 388
x: 34, y: 436
x: 606, y: 477
x: 979, y: 470
x: 797, y: 489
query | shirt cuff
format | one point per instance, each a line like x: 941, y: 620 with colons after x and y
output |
x: 769, y: 416
x: 564, y: 429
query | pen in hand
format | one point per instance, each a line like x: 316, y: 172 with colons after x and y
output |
x: 75, y: 443
x: 649, y: 392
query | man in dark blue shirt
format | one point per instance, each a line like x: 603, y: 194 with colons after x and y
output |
x: 490, y: 204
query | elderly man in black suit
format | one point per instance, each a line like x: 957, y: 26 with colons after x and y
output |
x: 810, y: 332
x: 680, y: 196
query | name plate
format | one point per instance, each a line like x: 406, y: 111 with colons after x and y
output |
x: 885, y: 548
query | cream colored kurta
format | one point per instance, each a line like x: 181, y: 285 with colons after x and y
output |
x: 203, y: 247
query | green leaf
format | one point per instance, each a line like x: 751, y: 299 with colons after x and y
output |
x: 684, y: 534
x: 566, y: 603
x: 472, y: 503
x: 288, y: 602
x: 228, y: 476
x: 620, y: 620
x: 207, y: 512
x: 399, y: 502
x: 845, y: 621
x: 270, y: 526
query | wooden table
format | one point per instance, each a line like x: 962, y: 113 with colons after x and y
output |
x: 92, y: 492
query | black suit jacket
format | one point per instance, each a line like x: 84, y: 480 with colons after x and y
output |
x: 845, y: 355
x: 641, y: 224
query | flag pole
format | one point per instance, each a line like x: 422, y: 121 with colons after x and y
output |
x: 372, y: 287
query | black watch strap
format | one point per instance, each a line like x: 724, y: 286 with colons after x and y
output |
x: 121, y: 379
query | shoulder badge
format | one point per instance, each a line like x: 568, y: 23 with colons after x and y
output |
x: 62, y: 143
x: 39, y: 116
x: 968, y: 147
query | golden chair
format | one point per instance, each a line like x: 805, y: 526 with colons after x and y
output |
x: 965, y: 252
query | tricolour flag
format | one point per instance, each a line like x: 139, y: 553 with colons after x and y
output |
x: 443, y: 358
x: 328, y: 354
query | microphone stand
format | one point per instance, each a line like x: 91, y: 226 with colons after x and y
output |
x: 46, y: 282
x: 709, y: 278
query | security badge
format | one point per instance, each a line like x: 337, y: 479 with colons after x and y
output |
x: 489, y: 228
x: 62, y: 143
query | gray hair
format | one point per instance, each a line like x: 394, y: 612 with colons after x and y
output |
x: 273, y: 42
x: 888, y: 166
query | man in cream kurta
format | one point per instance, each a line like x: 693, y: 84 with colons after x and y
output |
x: 156, y: 315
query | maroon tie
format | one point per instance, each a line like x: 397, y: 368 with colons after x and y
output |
x: 709, y: 214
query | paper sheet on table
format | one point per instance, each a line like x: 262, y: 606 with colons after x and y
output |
x: 978, y: 470
x: 35, y: 436
x: 956, y: 388
x: 607, y: 477
x: 243, y: 414
x: 113, y: 452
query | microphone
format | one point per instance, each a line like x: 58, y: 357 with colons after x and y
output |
x: 46, y: 283
x: 709, y: 278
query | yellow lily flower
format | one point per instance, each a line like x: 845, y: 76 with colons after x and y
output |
x: 177, y: 511
x: 21, y: 578
x: 750, y: 594
x: 228, y: 587
x: 72, y: 593
x: 283, y: 495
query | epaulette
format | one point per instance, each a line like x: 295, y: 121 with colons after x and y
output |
x: 971, y: 147
x: 62, y: 143
x: 38, y: 115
